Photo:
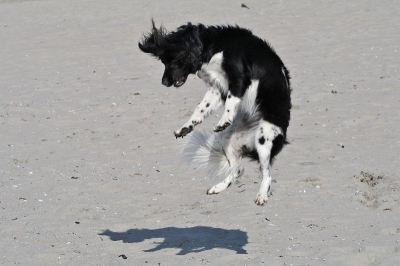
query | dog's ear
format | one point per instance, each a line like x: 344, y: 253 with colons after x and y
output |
x: 153, y: 41
x: 147, y: 44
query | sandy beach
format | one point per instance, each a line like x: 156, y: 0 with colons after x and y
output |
x: 91, y: 174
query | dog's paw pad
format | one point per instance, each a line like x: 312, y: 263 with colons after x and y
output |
x: 183, y: 132
x: 221, y: 128
x: 218, y: 129
x: 261, y: 199
x: 196, y: 122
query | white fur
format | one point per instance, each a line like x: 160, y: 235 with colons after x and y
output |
x: 246, y: 104
x: 231, y: 106
x: 205, y: 150
x: 221, y: 152
x: 215, y: 79
x: 213, y: 75
x: 217, y: 83
x: 265, y: 134
x: 211, y: 102
x: 286, y: 79
x: 249, y: 99
x: 208, y: 149
x: 236, y: 170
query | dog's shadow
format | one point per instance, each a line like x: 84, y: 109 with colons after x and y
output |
x: 188, y: 240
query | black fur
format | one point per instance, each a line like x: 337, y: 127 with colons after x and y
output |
x: 179, y: 51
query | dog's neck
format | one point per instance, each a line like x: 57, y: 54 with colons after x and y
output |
x: 209, y: 41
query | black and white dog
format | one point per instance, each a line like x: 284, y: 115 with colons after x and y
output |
x: 242, y: 72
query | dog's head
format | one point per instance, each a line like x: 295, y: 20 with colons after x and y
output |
x: 179, y: 51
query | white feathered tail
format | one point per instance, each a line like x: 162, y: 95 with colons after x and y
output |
x: 204, y: 149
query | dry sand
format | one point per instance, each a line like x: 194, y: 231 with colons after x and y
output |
x: 91, y: 173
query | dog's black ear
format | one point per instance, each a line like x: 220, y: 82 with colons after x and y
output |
x: 153, y: 41
x: 146, y: 46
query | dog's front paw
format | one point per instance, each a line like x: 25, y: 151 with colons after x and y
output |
x: 223, y: 127
x: 183, y: 132
x: 261, y: 198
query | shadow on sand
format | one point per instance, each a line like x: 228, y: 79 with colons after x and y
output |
x: 188, y: 240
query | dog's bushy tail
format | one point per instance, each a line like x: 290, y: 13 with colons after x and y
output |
x: 204, y: 150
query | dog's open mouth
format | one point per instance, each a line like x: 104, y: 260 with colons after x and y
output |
x: 179, y: 82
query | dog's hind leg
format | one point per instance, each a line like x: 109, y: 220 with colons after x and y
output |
x: 269, y: 140
x: 212, y: 101
x: 236, y: 170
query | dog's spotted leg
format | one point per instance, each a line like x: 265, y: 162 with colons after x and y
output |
x: 212, y: 101
x: 231, y: 106
x: 235, y: 172
x: 265, y: 135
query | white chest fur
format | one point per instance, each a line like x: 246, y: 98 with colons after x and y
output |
x: 213, y: 75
